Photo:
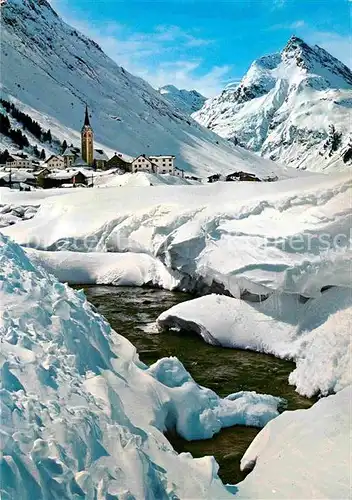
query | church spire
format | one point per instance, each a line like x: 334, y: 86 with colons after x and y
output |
x: 86, y: 119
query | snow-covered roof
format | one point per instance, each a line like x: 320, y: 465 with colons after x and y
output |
x: 66, y: 174
x: 99, y: 154
x: 70, y: 151
x: 17, y: 176
x: 79, y: 162
x: 162, y: 156
x: 54, y: 156
x: 125, y: 158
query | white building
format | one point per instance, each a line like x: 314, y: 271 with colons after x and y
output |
x: 143, y: 164
x: 165, y: 164
x: 19, y: 161
x: 179, y: 172
x: 55, y: 162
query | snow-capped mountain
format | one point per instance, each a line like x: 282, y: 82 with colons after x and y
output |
x: 293, y: 107
x: 187, y: 101
x: 50, y: 71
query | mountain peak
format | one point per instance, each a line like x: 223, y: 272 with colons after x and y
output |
x: 314, y: 59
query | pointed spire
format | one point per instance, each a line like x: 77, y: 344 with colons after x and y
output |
x: 86, y: 119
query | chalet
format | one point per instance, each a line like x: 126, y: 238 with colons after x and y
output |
x: 99, y: 159
x: 55, y: 162
x: 242, y: 176
x: 165, y: 163
x: 71, y: 177
x: 19, y: 161
x: 20, y: 179
x: 179, y: 172
x: 117, y: 161
x: 143, y: 164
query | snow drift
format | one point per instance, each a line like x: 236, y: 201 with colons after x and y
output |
x: 82, y: 416
x: 315, y: 334
x: 243, y: 238
x: 302, y: 454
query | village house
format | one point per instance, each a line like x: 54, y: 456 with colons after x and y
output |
x: 69, y: 178
x: 117, y: 161
x: 165, y: 163
x: 19, y: 179
x: 100, y: 159
x: 19, y: 161
x: 55, y: 162
x: 143, y: 164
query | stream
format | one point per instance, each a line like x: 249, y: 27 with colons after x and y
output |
x: 132, y: 313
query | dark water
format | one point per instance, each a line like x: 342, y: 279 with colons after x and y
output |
x: 132, y: 313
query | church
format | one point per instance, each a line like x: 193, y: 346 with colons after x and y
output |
x: 87, y: 138
x: 88, y: 156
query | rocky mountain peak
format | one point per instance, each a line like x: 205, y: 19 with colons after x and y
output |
x: 285, y: 105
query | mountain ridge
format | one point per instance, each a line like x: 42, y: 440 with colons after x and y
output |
x: 285, y: 106
x: 187, y: 101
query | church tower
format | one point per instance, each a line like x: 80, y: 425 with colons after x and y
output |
x: 87, y: 141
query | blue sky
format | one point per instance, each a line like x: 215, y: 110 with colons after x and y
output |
x: 205, y: 44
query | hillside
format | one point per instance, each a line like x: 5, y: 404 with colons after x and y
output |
x: 293, y: 107
x: 187, y: 101
x: 50, y: 71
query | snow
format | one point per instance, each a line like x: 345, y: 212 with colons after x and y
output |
x: 140, y: 179
x: 186, y: 101
x: 284, y: 105
x: 81, y: 415
x: 302, y: 454
x: 315, y: 334
x: 246, y: 237
x: 119, y: 269
x: 44, y: 57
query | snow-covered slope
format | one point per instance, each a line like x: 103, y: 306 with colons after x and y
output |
x: 292, y: 456
x: 51, y: 71
x: 284, y: 106
x: 187, y: 101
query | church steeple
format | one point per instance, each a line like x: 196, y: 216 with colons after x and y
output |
x: 87, y: 148
x: 86, y: 119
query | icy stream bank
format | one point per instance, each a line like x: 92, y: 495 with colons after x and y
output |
x: 133, y: 312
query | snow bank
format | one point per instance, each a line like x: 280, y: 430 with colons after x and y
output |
x: 315, y: 334
x: 141, y: 179
x: 119, y: 269
x: 82, y: 416
x: 302, y: 454
x: 257, y: 237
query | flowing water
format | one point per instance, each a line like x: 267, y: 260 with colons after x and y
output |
x: 132, y: 313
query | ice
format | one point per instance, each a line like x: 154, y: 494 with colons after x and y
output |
x: 315, y: 334
x: 302, y: 454
x: 82, y: 416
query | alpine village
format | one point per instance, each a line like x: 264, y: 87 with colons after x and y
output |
x: 75, y: 167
